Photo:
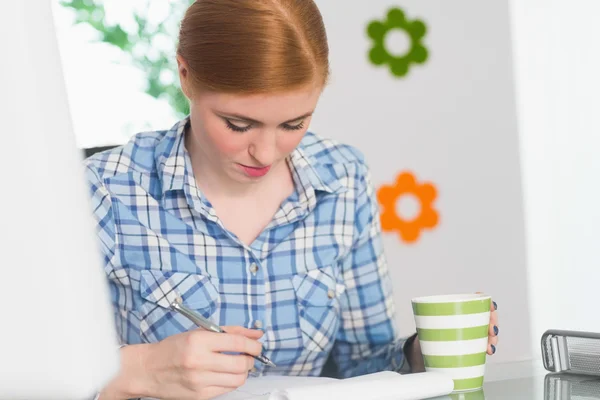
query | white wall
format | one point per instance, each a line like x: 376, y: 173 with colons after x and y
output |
x: 451, y: 121
x: 557, y: 64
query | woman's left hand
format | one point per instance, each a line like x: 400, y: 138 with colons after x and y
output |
x: 493, y: 332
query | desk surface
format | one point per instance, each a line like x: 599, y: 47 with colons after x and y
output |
x: 540, y: 387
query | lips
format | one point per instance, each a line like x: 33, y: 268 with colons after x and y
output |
x: 255, y: 172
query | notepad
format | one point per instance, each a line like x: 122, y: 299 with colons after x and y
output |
x: 384, y: 385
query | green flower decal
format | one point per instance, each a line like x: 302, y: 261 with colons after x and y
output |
x: 378, y: 31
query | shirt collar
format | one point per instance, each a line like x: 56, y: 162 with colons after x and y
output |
x: 313, y: 175
x: 175, y: 170
x: 172, y: 159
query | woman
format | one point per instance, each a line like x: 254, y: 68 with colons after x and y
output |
x: 243, y: 216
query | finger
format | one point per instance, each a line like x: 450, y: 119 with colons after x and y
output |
x: 232, y: 381
x: 493, y: 340
x: 232, y: 364
x: 492, y: 346
x: 218, y: 342
x: 493, y: 330
x: 494, y: 318
x: 240, y: 330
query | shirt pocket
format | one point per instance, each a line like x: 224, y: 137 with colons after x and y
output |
x: 159, y: 289
x: 317, y: 295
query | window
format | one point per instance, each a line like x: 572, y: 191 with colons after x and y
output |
x: 119, y: 65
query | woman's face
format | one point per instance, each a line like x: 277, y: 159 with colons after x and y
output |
x: 244, y: 137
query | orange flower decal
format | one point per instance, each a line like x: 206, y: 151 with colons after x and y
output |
x: 389, y: 197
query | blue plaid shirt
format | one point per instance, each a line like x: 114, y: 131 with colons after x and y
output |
x: 315, y: 279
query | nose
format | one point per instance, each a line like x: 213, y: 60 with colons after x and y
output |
x: 263, y: 147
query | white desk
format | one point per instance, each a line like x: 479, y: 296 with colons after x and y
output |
x: 549, y: 387
x: 519, y: 381
x: 537, y: 387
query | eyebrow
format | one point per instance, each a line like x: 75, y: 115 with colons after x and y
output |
x: 248, y: 119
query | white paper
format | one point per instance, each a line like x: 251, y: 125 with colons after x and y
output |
x: 385, y: 385
x: 261, y: 388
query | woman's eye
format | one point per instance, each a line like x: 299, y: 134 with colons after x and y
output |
x: 294, y: 127
x: 237, y: 128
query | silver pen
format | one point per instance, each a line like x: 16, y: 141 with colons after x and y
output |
x: 209, y: 326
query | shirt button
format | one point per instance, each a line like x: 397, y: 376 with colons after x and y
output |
x: 258, y: 324
x: 331, y: 294
x: 254, y: 269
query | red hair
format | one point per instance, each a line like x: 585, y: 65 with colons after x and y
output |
x: 254, y: 46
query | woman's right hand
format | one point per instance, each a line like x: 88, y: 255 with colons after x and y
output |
x: 188, y: 365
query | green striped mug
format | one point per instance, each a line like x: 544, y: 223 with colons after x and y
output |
x: 453, y: 333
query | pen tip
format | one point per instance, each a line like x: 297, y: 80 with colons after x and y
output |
x: 271, y: 363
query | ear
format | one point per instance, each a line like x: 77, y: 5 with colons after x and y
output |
x: 184, y: 76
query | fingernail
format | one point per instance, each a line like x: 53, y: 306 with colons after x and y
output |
x: 495, y: 305
x: 493, y: 349
x: 496, y: 330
